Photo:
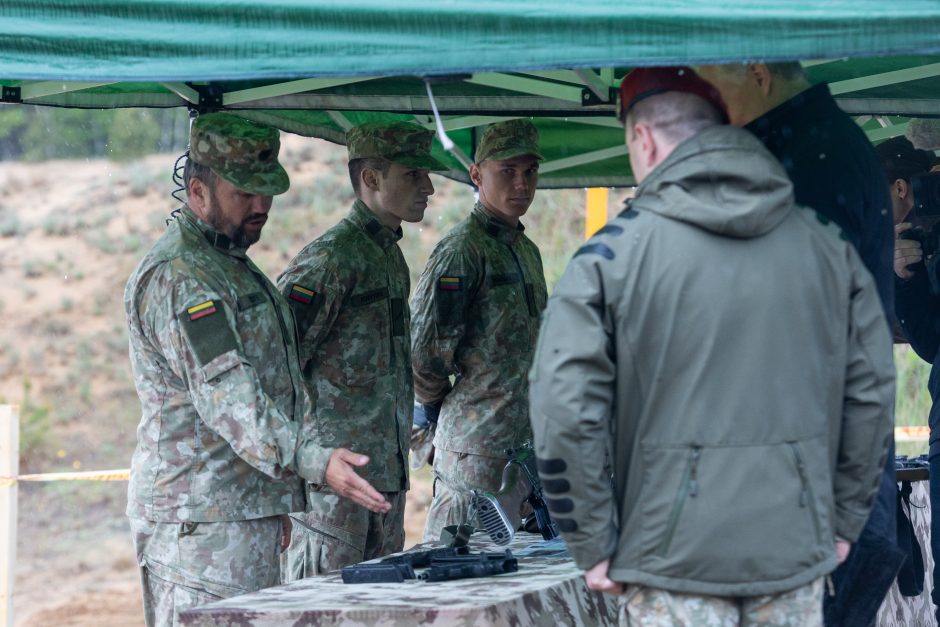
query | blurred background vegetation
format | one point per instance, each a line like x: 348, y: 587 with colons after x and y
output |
x: 33, y: 133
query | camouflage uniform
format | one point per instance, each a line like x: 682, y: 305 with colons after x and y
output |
x: 349, y: 293
x: 476, y: 317
x: 653, y: 607
x: 221, y: 441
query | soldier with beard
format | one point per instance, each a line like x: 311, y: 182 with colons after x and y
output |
x: 223, y: 442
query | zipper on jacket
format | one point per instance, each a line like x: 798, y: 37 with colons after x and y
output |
x: 526, y: 288
x: 806, y: 494
x: 688, y: 487
x: 403, y: 479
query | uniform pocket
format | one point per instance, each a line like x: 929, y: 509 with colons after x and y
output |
x: 729, y: 514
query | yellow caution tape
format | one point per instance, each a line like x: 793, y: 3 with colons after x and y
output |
x: 912, y: 434
x: 91, y: 475
x: 901, y: 434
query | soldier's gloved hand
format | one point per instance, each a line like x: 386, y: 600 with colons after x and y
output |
x: 597, y: 579
x: 426, y: 414
x: 341, y: 476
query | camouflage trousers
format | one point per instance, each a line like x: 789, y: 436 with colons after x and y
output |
x: 455, y: 475
x: 335, y: 532
x: 183, y: 565
x: 653, y: 607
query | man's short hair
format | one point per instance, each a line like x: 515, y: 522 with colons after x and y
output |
x: 787, y: 70
x: 204, y: 173
x: 675, y: 115
x: 356, y: 166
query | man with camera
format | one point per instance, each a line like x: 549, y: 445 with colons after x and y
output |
x: 915, y: 198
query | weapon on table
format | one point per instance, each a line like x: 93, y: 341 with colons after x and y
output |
x: 423, y: 559
x: 494, y: 510
x: 444, y: 564
x: 467, y: 566
x: 377, y: 573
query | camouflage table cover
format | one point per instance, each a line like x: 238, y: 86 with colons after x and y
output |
x: 546, y: 591
x: 901, y: 611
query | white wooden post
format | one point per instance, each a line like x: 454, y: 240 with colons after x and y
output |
x: 9, y: 467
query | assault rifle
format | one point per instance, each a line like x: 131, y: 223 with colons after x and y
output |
x: 443, y: 564
x: 467, y: 566
x: 494, y: 510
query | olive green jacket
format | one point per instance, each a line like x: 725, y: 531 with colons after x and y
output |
x: 729, y: 351
x: 213, y: 347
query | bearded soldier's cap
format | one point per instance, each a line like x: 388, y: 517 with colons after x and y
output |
x: 242, y: 152
x: 505, y: 140
x: 399, y: 142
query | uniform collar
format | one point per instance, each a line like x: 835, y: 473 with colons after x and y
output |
x: 217, y: 240
x: 494, y: 227
x: 362, y: 216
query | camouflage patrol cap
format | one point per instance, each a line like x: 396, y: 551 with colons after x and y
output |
x: 242, y: 152
x: 399, y: 142
x: 505, y: 140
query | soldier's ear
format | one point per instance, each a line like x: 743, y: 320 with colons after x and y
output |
x: 371, y: 179
x: 198, y: 193
x: 475, y: 175
x: 901, y: 187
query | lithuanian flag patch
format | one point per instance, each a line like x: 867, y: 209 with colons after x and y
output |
x: 301, y: 294
x: 449, y: 283
x: 201, y: 310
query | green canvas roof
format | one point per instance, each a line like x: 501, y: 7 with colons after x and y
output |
x: 316, y: 68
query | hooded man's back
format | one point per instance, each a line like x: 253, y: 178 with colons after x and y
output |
x: 736, y: 347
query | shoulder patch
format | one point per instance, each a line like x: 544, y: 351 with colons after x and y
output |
x: 450, y: 301
x: 596, y: 248
x: 450, y: 283
x: 301, y: 294
x: 201, y: 310
x: 209, y: 335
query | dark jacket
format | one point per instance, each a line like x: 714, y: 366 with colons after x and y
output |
x: 731, y: 350
x: 835, y: 170
x: 919, y: 315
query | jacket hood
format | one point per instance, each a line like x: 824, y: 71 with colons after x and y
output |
x: 722, y: 180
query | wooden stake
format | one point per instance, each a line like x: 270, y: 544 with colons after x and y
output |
x: 9, y: 468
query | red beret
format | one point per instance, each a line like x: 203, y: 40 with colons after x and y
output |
x: 649, y: 81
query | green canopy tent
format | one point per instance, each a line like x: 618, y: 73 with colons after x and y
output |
x: 316, y: 68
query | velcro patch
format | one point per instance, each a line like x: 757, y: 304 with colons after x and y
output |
x: 449, y: 283
x: 551, y: 466
x: 201, y: 310
x: 596, y: 248
x: 301, y: 294
x: 209, y: 336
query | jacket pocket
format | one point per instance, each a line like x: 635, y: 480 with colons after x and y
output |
x: 734, y: 514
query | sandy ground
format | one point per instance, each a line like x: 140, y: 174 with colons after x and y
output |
x: 94, y: 583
